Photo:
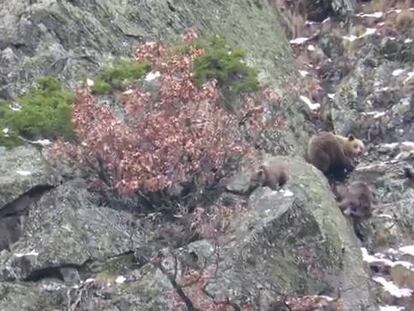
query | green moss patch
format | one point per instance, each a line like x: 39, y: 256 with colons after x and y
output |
x: 44, y: 112
x: 119, y: 75
x: 227, y: 65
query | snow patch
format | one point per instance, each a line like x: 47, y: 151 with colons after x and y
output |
x: 43, y: 142
x: 303, y: 73
x: 309, y: 103
x: 391, y: 308
x: 392, y: 288
x: 370, y: 259
x: 390, y: 146
x: 15, y: 106
x: 32, y: 253
x: 410, y: 75
x: 23, y: 173
x: 350, y: 38
x: 152, y: 76
x: 120, y: 279
x: 331, y: 95
x: 407, y: 146
x: 368, y: 32
x: 299, y: 40
x: 385, y: 216
x: 409, y: 250
x: 288, y: 193
x: 311, y: 48
x: 397, y: 72
x: 128, y: 92
x: 375, y: 14
x: 90, y: 82
x: 408, y: 40
x: 375, y: 114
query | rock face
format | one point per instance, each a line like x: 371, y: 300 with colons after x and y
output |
x: 22, y: 169
x: 318, y: 10
x: 374, y: 100
x: 291, y: 240
x: 64, y: 246
x: 73, y: 38
x: 294, y: 240
x: 378, y: 82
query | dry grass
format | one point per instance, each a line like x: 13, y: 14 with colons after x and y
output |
x: 405, y: 21
x: 293, y: 17
x: 386, y: 5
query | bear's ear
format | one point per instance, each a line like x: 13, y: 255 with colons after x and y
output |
x: 261, y: 173
x: 351, y: 137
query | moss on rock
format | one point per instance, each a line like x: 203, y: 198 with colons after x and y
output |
x: 225, y: 64
x: 118, y: 75
x: 45, y: 112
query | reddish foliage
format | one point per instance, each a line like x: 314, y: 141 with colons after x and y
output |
x: 213, y: 222
x: 194, y: 285
x: 178, y: 134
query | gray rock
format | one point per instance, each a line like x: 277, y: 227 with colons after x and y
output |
x: 74, y: 39
x: 21, y: 169
x: 68, y: 228
x: 318, y: 10
x: 291, y: 241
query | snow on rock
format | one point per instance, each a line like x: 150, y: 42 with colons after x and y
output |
x: 410, y: 75
x: 152, y: 76
x: 392, y: 288
x: 288, y: 193
x: 32, y: 253
x: 350, y: 38
x: 370, y: 259
x: 397, y: 72
x: 120, y: 279
x: 375, y: 114
x: 311, y: 48
x: 299, y: 40
x: 43, y: 142
x: 409, y: 250
x: 374, y: 15
x: 368, y: 32
x: 309, y: 103
x: 407, y: 146
x: 23, y: 173
x: 15, y: 106
x: 90, y: 82
x: 391, y: 308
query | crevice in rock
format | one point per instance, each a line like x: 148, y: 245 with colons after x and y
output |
x: 11, y: 214
x: 53, y: 272
x: 73, y: 273
x: 23, y: 202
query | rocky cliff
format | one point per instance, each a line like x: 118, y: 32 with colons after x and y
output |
x: 65, y: 247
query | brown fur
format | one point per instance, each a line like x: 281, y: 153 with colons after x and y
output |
x: 273, y: 175
x: 357, y: 200
x: 332, y: 153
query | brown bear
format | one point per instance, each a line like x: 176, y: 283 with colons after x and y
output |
x: 332, y: 154
x: 357, y: 199
x: 273, y: 175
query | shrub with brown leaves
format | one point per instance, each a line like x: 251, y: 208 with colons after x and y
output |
x: 178, y: 134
